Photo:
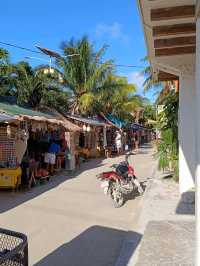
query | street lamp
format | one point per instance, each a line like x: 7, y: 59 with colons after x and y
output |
x: 53, y: 54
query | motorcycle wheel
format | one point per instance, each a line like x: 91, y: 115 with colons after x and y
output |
x: 116, y: 196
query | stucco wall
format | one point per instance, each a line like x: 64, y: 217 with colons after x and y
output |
x: 187, y: 153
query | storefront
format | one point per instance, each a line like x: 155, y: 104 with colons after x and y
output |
x: 38, y: 145
x: 92, y: 140
x: 141, y: 133
x: 10, y: 172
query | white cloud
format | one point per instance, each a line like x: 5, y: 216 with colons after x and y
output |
x: 138, y: 79
x: 113, y: 30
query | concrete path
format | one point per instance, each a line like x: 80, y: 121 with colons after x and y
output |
x: 69, y: 221
x: 167, y: 223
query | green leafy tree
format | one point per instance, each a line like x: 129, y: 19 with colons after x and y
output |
x: 168, y: 125
x: 150, y: 81
x: 116, y: 96
x: 37, y: 89
x: 83, y: 73
x: 5, y: 73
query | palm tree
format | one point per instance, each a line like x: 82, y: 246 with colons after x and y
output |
x: 28, y: 86
x: 5, y: 71
x: 117, y: 97
x: 150, y: 81
x: 84, y: 73
x: 36, y: 88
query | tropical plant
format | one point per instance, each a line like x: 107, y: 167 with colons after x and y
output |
x: 5, y: 71
x: 168, y: 126
x: 34, y: 88
x: 150, y: 81
x: 83, y: 70
x: 118, y: 97
x: 28, y: 86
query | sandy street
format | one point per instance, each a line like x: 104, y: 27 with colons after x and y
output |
x: 69, y: 221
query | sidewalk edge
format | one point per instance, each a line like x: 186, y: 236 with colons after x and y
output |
x: 128, y: 246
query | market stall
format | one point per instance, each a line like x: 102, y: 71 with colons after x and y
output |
x: 40, y: 144
x: 92, y: 139
x: 10, y: 170
x: 50, y: 147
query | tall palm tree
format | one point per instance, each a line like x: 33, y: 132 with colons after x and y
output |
x: 83, y: 73
x: 117, y: 97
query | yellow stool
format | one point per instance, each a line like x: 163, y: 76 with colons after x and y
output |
x: 10, y: 178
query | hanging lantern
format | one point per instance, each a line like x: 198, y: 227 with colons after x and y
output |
x: 88, y: 128
x: 84, y: 127
x: 9, y: 131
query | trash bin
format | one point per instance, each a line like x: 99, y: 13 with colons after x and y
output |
x: 13, y: 248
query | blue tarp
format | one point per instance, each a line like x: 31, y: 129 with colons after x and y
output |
x: 119, y: 123
x: 136, y: 126
x: 6, y: 118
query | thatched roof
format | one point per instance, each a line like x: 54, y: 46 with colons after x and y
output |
x: 66, y: 122
x: 47, y: 115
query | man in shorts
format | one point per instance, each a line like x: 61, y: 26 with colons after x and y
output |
x: 50, y: 156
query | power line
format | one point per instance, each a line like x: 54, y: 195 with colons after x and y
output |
x: 38, y: 52
x: 20, y: 47
x: 128, y: 66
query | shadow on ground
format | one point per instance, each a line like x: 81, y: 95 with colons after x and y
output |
x: 186, y: 205
x: 11, y: 199
x: 97, y: 246
x: 135, y: 193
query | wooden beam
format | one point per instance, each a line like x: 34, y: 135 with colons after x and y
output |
x: 175, y: 51
x: 167, y: 30
x: 175, y: 42
x: 164, y: 76
x: 175, y: 12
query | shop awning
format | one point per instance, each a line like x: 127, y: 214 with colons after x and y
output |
x: 16, y: 110
x: 137, y: 126
x: 116, y: 121
x: 4, y: 118
x: 89, y: 121
x: 44, y: 115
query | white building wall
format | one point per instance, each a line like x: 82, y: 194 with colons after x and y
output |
x: 187, y: 150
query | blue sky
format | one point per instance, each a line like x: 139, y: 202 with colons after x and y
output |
x: 48, y: 23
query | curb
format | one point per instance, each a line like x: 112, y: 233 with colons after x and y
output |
x: 129, y: 246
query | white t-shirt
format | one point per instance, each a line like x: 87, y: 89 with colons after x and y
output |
x: 118, y: 140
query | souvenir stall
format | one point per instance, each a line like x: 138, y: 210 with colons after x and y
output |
x: 141, y: 133
x: 50, y: 147
x: 12, y: 139
x: 92, y: 139
x: 115, y: 125
x: 25, y: 143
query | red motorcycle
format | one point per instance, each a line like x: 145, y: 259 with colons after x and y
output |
x: 120, y: 182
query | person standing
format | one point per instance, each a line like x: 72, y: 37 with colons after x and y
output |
x: 50, y: 156
x: 118, y: 142
x: 136, y: 141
